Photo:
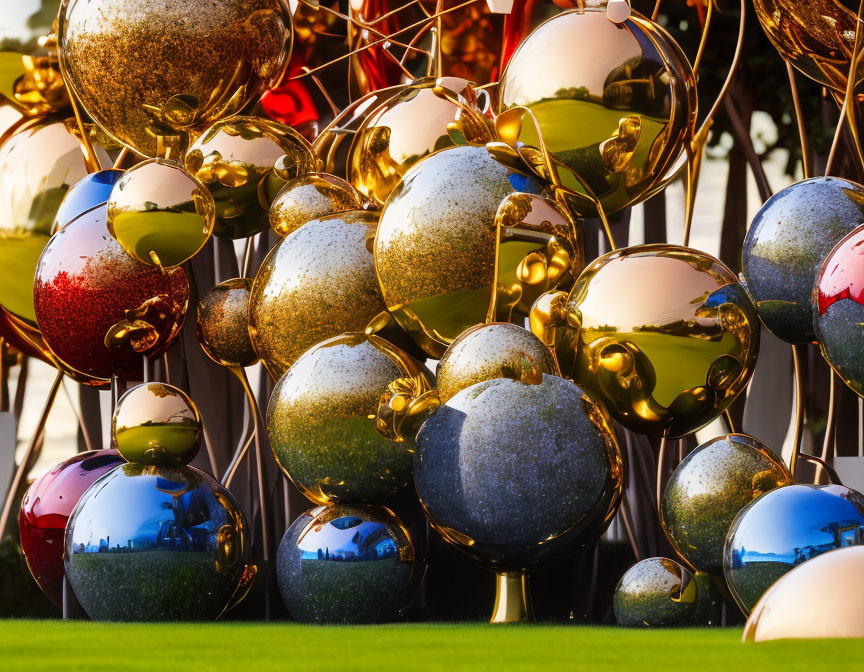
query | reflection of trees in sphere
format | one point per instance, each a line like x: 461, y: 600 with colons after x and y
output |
x: 157, y: 544
x: 346, y: 564
x: 784, y: 528
x: 514, y: 473
x: 708, y: 489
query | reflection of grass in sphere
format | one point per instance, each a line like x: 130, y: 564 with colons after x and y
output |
x: 174, y: 236
x: 18, y: 259
x: 176, y: 439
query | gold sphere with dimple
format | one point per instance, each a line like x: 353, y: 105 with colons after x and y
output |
x: 465, y: 239
x: 223, y: 323
x: 428, y: 115
x: 156, y: 424
x: 236, y: 159
x: 488, y: 351
x: 309, y: 197
x: 666, y: 336
x: 315, y: 284
x: 615, y: 104
x: 153, y: 73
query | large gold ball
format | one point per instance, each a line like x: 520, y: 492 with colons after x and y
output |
x: 157, y: 424
x: 443, y: 261
x: 235, y: 160
x: 315, y: 284
x: 150, y: 72
x: 489, y: 351
x: 615, y: 103
x: 223, y: 323
x: 322, y: 420
x: 666, y: 336
x: 310, y: 197
x: 426, y: 116
x: 38, y: 165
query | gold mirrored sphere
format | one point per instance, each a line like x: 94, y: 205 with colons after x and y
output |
x: 223, y: 323
x: 160, y: 213
x: 465, y: 239
x: 156, y: 424
x: 235, y: 160
x: 152, y: 73
x: 428, y: 115
x: 489, y: 351
x: 666, y: 336
x: 615, y: 103
x: 315, y: 284
x: 309, y: 197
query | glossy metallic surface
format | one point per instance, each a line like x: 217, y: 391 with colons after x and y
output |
x: 99, y: 309
x: 156, y: 423
x: 223, y: 323
x: 151, y: 543
x: 160, y: 213
x: 425, y: 117
x: 821, y: 599
x: 708, y: 489
x: 784, y: 528
x: 38, y: 165
x: 315, y: 284
x: 151, y: 72
x: 661, y: 593
x: 817, y: 36
x: 665, y: 336
x: 615, y: 103
x: 322, y: 420
x: 786, y: 244
x: 310, y: 197
x: 514, y: 474
x: 464, y: 240
x: 347, y: 564
x: 838, y: 309
x: 489, y: 351
x: 235, y: 158
x: 45, y: 510
x: 89, y: 192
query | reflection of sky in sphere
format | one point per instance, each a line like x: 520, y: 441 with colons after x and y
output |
x: 22, y: 22
x: 347, y: 538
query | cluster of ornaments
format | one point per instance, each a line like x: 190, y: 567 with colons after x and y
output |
x: 430, y: 221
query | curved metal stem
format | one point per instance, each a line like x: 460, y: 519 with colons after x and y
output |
x: 703, y: 40
x: 736, y: 60
x: 829, y: 426
x: 661, y: 460
x: 791, y: 458
x: 799, y: 116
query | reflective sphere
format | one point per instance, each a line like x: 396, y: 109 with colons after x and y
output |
x: 46, y: 507
x: 30, y: 81
x: 514, y: 473
x: 708, y: 489
x: 838, y: 309
x: 346, y: 564
x: 310, y: 197
x: 821, y: 599
x: 666, y: 336
x: 615, y: 103
x: 315, y: 284
x: 99, y: 309
x: 88, y: 193
x: 149, y: 72
x: 160, y: 213
x: 817, y: 36
x: 322, y: 420
x: 784, y: 528
x: 150, y: 543
x: 453, y: 215
x: 37, y: 167
x: 488, y: 351
x: 235, y: 159
x: 223, y: 323
x: 786, y: 244
x: 661, y: 593
x: 156, y: 423
x: 423, y: 118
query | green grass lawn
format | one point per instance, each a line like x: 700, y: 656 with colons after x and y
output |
x: 240, y: 647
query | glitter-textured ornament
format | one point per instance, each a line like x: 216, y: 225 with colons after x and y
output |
x: 223, y: 323
x: 310, y: 197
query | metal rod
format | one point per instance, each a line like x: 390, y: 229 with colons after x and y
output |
x: 799, y: 116
x: 829, y: 425
x: 628, y: 528
x: 661, y: 459
x: 792, y: 458
x: 704, y: 37
x: 121, y: 157
x: 78, y: 417
x: 736, y: 60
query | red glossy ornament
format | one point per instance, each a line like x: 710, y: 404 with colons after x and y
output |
x: 291, y: 102
x: 47, y: 506
x: 842, y: 274
x: 100, y: 310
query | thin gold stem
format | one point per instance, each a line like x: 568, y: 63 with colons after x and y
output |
x: 211, y: 456
x: 24, y: 465
x: 656, y: 11
x: 849, y: 98
x: 736, y: 60
x: 87, y: 443
x: 799, y: 116
x: 628, y: 528
x: 235, y: 462
x: 90, y: 159
x: 703, y: 40
x: 829, y: 427
x: 247, y: 255
x: 835, y: 143
x: 792, y: 457
x: 728, y: 415
x: 121, y: 157
x: 367, y: 26
x: 4, y: 373
x: 661, y: 460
